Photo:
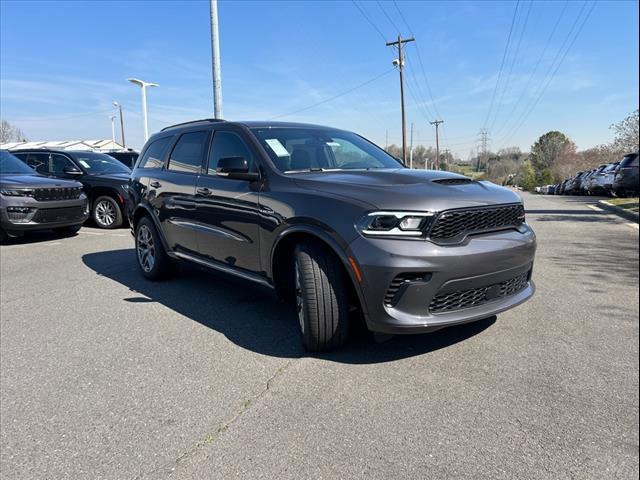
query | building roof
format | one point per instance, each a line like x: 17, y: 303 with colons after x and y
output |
x: 96, y: 145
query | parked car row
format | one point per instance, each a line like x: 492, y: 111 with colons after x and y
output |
x: 43, y: 189
x: 619, y: 179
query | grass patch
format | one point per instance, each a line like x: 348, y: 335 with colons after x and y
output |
x: 630, y: 204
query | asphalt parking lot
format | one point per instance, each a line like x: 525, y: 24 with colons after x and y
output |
x: 104, y: 375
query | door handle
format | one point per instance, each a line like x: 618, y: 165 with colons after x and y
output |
x: 155, y: 184
x: 203, y: 191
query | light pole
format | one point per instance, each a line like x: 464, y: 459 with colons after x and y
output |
x: 143, y: 86
x: 215, y: 60
x: 113, y: 128
x: 119, y: 107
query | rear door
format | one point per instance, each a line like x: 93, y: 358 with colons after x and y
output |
x: 171, y: 190
x: 228, y: 209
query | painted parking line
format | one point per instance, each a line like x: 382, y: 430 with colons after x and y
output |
x: 597, y: 209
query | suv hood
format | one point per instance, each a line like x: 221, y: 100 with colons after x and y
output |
x: 111, y: 177
x: 406, y: 189
x: 21, y: 180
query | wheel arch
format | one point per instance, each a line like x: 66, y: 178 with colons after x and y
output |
x: 145, y: 211
x: 282, y: 253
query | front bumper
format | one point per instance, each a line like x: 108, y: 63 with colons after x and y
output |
x: 42, y: 215
x: 482, y: 262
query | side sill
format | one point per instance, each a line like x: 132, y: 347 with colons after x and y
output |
x: 222, y: 268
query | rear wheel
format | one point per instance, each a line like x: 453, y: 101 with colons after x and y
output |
x: 107, y: 212
x: 153, y: 261
x: 321, y: 297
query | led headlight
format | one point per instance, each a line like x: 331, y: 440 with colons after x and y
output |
x: 399, y: 224
x: 10, y: 192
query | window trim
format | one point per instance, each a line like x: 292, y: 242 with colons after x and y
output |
x: 167, y: 161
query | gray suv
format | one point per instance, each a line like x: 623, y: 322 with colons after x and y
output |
x: 332, y: 223
x: 29, y: 201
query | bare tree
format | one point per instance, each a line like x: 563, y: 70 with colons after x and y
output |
x: 10, y: 133
x: 626, y: 134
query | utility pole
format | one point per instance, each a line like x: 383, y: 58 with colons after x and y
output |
x: 446, y: 159
x: 119, y: 107
x: 399, y: 62
x: 483, y: 134
x: 386, y: 140
x: 437, y: 123
x: 411, y: 148
x: 215, y: 60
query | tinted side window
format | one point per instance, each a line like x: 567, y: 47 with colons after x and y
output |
x: 59, y: 163
x: 154, y: 155
x: 188, y: 152
x: 38, y: 161
x: 629, y: 161
x: 228, y: 144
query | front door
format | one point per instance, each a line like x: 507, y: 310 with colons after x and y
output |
x: 228, y: 209
x: 172, y: 191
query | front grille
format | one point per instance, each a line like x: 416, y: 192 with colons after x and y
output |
x: 57, y: 193
x: 53, y: 215
x: 457, y: 223
x: 454, y: 181
x: 461, y: 299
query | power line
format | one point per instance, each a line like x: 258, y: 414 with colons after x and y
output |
x: 388, y: 17
x: 419, y: 55
x: 366, y: 17
x: 553, y: 73
x: 513, y: 62
x: 504, y: 56
x: 535, y: 68
x: 371, y: 80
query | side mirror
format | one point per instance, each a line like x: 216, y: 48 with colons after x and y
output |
x: 235, y: 167
x: 72, y: 171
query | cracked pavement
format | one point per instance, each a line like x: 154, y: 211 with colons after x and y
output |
x: 104, y: 375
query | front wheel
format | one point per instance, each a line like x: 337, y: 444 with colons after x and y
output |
x: 321, y: 298
x: 107, y: 212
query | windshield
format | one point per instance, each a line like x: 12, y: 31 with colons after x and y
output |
x: 11, y: 164
x: 317, y: 149
x: 630, y: 160
x: 98, y: 163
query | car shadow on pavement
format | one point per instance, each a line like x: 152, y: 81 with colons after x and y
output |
x: 251, y: 317
x: 38, y: 236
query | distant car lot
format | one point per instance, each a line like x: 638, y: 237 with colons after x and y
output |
x: 204, y: 376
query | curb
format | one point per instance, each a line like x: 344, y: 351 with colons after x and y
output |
x: 621, y: 212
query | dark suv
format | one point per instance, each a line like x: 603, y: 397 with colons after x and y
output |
x: 29, y: 201
x: 331, y: 221
x: 104, y: 178
x: 627, y: 181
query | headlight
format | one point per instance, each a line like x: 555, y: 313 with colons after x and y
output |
x: 8, y: 192
x: 399, y: 224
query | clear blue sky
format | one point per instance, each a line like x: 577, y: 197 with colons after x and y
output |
x: 62, y: 65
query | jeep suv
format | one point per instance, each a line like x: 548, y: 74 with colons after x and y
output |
x: 331, y: 222
x: 104, y: 179
x: 29, y: 201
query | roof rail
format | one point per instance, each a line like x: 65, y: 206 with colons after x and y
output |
x: 207, y: 120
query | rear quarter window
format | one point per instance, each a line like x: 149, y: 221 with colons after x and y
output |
x: 153, y: 156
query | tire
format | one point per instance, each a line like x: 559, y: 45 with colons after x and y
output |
x: 151, y: 257
x: 67, y: 231
x: 321, y: 298
x: 106, y: 212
